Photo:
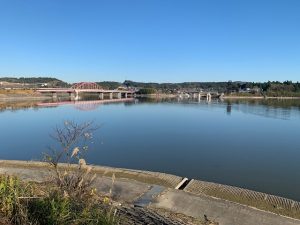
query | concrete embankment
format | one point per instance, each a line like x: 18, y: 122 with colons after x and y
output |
x: 224, y: 204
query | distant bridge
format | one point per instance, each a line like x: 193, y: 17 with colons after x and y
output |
x: 198, y: 95
x: 87, y: 87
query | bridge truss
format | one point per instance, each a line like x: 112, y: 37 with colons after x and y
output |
x: 87, y: 86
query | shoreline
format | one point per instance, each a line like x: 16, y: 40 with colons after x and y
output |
x: 12, y: 97
x: 20, y: 98
x: 145, y: 190
x: 258, y: 97
x: 36, y: 170
x: 156, y: 96
x: 224, y: 97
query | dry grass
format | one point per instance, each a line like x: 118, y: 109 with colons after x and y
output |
x: 43, y: 204
x: 99, y: 171
x: 75, y: 178
x: 69, y: 197
x: 18, y: 92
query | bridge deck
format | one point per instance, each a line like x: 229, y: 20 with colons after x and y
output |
x: 71, y: 90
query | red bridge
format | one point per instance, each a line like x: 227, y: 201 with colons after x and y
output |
x: 88, y: 87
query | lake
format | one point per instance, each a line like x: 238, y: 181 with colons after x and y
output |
x: 253, y: 144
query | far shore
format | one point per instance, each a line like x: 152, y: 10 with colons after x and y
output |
x: 224, y: 97
x: 257, y: 97
x: 19, y: 95
x: 243, y: 97
x: 35, y: 96
x: 20, y: 98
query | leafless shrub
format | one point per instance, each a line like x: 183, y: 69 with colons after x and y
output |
x: 74, y: 177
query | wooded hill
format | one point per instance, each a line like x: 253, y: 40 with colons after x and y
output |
x: 270, y: 88
x: 52, y: 82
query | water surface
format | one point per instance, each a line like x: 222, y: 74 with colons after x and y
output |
x: 252, y: 144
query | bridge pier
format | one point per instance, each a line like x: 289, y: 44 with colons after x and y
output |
x: 199, y: 97
x: 54, y: 95
x: 110, y: 95
x: 77, y: 95
x: 126, y: 95
x: 119, y: 95
x: 101, y: 96
x: 72, y: 96
x: 208, y: 97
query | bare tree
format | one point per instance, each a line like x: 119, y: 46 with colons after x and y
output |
x: 72, y: 175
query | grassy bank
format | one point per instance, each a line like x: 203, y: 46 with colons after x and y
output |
x: 26, y: 92
x: 39, y: 204
x: 21, y: 94
x: 66, y: 198
x: 45, y: 203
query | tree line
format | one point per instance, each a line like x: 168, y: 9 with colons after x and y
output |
x: 270, y: 88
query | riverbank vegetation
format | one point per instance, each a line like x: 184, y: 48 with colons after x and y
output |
x: 42, y: 204
x: 109, y: 85
x: 21, y: 95
x: 17, y: 91
x: 146, y: 91
x: 68, y: 197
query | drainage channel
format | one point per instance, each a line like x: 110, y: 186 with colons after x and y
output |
x: 182, y: 185
x: 148, y: 197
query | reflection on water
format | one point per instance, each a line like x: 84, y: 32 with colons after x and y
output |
x: 83, y: 105
x: 17, y: 105
x: 247, y: 143
x: 228, y: 108
x: 86, y: 105
x: 273, y: 108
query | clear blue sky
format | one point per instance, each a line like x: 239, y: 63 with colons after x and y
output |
x: 151, y: 40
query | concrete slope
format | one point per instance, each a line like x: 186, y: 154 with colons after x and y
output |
x: 147, y: 189
x: 221, y: 211
x: 123, y: 190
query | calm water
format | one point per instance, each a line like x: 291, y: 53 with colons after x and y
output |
x: 251, y: 144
